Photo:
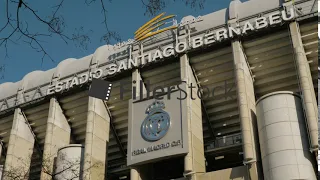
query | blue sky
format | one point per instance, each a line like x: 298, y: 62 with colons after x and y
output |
x: 124, y: 16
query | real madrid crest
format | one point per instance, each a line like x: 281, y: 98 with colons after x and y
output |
x: 157, y: 123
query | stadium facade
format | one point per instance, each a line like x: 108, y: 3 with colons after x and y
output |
x: 259, y: 61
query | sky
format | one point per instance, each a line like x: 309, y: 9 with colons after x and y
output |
x: 124, y: 17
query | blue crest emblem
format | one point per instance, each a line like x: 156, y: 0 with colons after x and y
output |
x: 156, y: 125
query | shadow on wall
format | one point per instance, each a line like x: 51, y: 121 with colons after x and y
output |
x: 239, y: 173
x: 304, y: 133
x: 236, y: 173
x: 257, y: 143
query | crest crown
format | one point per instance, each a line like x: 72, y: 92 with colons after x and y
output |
x: 156, y: 105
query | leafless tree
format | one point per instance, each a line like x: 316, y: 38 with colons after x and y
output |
x: 17, y: 172
x: 16, y: 28
x: 155, y: 6
x: 69, y: 170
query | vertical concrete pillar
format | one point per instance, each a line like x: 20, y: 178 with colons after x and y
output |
x: 134, y: 174
x: 194, y: 161
x: 136, y: 76
x: 97, y: 137
x: 20, y: 148
x: 247, y: 109
x: 57, y: 136
x: 306, y: 86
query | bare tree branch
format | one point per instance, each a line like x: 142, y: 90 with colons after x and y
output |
x: 31, y: 37
x: 110, y: 34
x: 8, y: 19
x: 153, y: 7
x: 58, y: 7
x: 69, y: 170
x: 55, y: 25
x: 16, y: 29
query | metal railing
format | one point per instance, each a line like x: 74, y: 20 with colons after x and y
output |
x: 225, y: 141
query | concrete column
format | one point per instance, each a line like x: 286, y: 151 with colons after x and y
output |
x: 57, y: 136
x: 134, y: 173
x: 97, y: 138
x: 194, y: 161
x: 284, y: 141
x: 306, y: 86
x: 247, y: 109
x: 20, y: 148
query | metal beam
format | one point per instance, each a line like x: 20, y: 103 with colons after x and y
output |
x: 114, y: 131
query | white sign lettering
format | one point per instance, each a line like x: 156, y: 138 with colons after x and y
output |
x: 137, y: 60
